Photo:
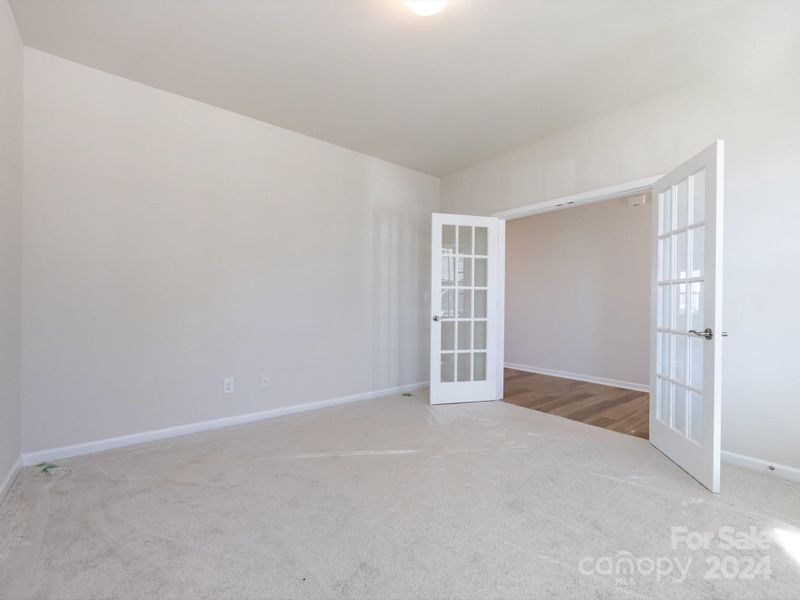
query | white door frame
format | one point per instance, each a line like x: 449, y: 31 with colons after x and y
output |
x: 620, y: 190
x: 629, y: 188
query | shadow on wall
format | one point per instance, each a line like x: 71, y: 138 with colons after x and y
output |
x: 400, y: 274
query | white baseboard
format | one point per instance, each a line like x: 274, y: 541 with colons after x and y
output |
x: 52, y: 454
x: 762, y: 466
x: 31, y: 458
x: 628, y: 385
x: 8, y: 480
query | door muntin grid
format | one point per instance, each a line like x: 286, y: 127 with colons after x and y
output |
x: 680, y: 357
x: 464, y: 316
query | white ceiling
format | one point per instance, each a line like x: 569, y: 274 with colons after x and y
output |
x: 433, y: 93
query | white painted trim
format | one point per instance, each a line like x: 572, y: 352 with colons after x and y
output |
x: 629, y: 188
x: 628, y: 385
x: 10, y: 477
x: 52, y: 454
x: 501, y: 307
x: 762, y: 466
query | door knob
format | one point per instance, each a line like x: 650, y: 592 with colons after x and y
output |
x: 435, y: 317
x: 706, y: 333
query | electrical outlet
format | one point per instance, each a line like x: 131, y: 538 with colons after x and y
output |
x: 228, y: 385
x: 264, y: 380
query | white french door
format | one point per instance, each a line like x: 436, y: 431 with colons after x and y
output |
x: 686, y: 315
x: 466, y: 309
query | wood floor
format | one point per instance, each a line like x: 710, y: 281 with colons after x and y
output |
x: 617, y: 409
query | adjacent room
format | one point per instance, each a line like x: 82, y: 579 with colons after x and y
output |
x: 399, y: 299
x: 578, y: 312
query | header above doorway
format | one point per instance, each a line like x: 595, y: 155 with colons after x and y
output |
x: 638, y: 186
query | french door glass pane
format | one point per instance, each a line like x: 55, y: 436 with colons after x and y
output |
x: 464, y: 304
x: 481, y: 241
x: 448, y: 269
x: 681, y: 204
x: 664, y: 255
x: 679, y: 357
x: 448, y: 335
x: 480, y: 304
x: 464, y: 335
x: 662, y: 354
x: 695, y: 416
x: 464, y: 271
x: 699, y: 196
x: 696, y: 306
x: 698, y: 251
x: 480, y: 335
x: 448, y: 368
x: 479, y: 366
x: 696, y: 350
x: 663, y: 399
x: 679, y: 406
x: 448, y: 304
x: 448, y: 239
x: 464, y: 366
x: 663, y: 306
x: 464, y: 239
x: 481, y: 272
x: 679, y: 306
x: 679, y: 254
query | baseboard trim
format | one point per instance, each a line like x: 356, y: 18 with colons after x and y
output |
x: 762, y: 466
x: 628, y: 385
x: 10, y: 477
x: 52, y: 454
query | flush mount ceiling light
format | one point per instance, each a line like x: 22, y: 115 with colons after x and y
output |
x: 425, y: 8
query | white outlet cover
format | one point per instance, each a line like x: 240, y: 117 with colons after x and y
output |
x: 228, y: 385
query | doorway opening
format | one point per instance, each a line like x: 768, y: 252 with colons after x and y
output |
x: 577, y: 313
x: 685, y: 352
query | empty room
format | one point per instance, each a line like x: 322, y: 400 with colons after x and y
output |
x: 399, y: 299
x: 577, y: 331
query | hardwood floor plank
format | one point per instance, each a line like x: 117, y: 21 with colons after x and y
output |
x: 617, y: 409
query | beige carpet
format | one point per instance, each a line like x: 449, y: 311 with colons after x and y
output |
x: 392, y: 498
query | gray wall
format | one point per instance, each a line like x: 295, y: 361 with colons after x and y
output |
x: 11, y: 58
x: 578, y: 292
x: 169, y: 244
x: 756, y: 111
